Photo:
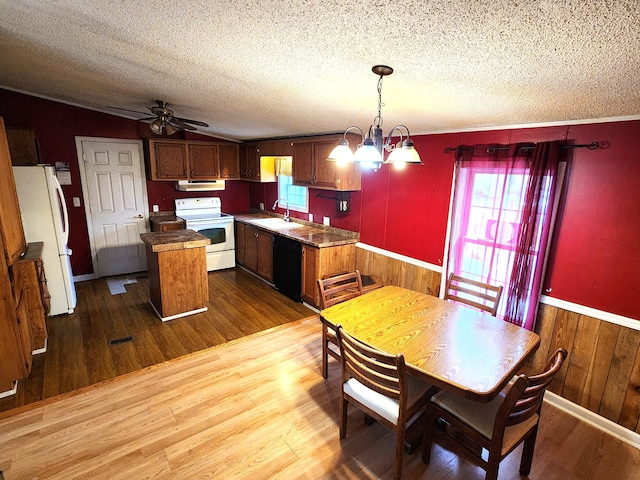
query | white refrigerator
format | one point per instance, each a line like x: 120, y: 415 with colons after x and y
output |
x: 45, y: 219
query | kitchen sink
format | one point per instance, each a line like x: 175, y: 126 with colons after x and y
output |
x: 276, y: 223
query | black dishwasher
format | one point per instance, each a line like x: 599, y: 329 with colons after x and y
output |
x: 287, y: 267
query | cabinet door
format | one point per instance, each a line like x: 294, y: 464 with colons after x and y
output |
x: 303, y: 164
x: 31, y: 270
x: 250, y: 162
x: 325, y: 172
x: 310, y: 259
x: 203, y: 161
x: 10, y: 220
x: 168, y: 161
x: 251, y: 248
x: 241, y: 244
x: 228, y: 156
x: 265, y: 255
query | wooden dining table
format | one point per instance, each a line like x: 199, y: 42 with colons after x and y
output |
x: 450, y: 345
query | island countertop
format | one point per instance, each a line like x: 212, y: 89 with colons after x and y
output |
x: 174, y: 240
x: 306, y: 232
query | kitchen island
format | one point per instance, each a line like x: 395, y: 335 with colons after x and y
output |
x: 177, y: 269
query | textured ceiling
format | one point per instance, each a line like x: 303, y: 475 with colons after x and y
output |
x: 270, y: 68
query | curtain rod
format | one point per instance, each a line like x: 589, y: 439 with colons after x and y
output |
x: 590, y: 146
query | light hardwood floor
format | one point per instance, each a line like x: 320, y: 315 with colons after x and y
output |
x: 80, y: 352
x: 256, y: 408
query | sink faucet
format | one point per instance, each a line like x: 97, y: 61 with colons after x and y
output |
x: 286, y: 214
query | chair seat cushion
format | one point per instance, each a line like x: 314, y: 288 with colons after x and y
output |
x: 386, y: 407
x: 481, y: 416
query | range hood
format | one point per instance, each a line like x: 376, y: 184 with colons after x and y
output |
x: 199, y: 185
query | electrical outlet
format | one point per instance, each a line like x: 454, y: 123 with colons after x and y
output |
x: 261, y: 206
x: 155, y: 208
x: 76, y: 201
x: 325, y: 221
x: 311, y: 217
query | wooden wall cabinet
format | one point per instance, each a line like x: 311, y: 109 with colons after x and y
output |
x: 254, y: 250
x: 23, y: 146
x: 322, y: 263
x: 254, y: 166
x: 173, y: 160
x: 311, y: 168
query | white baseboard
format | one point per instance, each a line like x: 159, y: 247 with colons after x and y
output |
x: 84, y: 278
x: 593, y: 419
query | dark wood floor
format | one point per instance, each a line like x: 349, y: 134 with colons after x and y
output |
x: 80, y: 350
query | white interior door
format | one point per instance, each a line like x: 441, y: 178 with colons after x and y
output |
x: 115, y: 200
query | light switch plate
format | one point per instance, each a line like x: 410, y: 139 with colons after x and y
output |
x: 325, y: 220
x: 155, y: 208
x: 76, y: 201
x: 261, y: 206
x: 311, y: 217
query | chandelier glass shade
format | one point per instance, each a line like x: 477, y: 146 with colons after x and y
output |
x: 370, y: 152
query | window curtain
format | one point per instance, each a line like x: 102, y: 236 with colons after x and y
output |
x: 501, y: 219
x: 283, y: 166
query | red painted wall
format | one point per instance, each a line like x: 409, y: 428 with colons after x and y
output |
x: 594, y: 254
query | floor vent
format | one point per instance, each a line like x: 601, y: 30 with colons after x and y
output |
x: 120, y: 340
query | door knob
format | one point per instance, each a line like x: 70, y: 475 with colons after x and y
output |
x: 139, y: 216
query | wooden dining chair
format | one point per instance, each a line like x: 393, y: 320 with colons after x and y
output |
x: 497, y: 427
x: 377, y: 383
x: 336, y: 289
x: 473, y: 293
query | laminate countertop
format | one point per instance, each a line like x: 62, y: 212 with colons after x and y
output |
x: 305, y: 232
x: 174, y: 240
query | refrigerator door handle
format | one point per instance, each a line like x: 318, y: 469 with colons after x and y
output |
x: 65, y: 213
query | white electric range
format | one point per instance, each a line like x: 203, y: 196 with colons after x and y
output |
x: 204, y: 215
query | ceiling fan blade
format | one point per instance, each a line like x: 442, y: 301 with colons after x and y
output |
x: 127, y: 110
x: 181, y: 124
x: 195, y: 122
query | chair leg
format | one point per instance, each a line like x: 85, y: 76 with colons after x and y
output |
x: 527, y: 452
x: 492, y: 467
x: 369, y: 420
x: 325, y: 359
x: 343, y: 416
x: 400, y: 434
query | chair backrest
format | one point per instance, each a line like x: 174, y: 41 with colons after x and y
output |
x: 530, y: 399
x: 473, y: 293
x: 375, y: 369
x: 339, y: 288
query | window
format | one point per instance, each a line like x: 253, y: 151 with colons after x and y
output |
x: 489, y: 225
x: 295, y: 196
x: 501, y: 218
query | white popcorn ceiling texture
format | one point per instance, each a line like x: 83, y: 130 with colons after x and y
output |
x: 272, y: 68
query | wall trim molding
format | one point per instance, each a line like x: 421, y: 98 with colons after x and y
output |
x: 400, y: 257
x: 591, y: 312
x: 628, y: 436
x: 84, y: 278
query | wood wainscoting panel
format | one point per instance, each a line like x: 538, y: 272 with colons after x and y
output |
x: 391, y: 271
x: 602, y: 370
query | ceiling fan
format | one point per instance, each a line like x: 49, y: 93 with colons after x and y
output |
x: 164, y: 119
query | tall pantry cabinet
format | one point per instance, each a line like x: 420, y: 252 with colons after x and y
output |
x: 15, y: 336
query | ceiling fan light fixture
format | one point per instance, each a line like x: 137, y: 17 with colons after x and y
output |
x: 156, y: 126
x: 170, y: 129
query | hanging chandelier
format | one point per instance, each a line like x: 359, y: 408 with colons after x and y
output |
x: 370, y: 153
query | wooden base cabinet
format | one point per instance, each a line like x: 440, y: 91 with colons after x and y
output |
x: 324, y: 262
x: 254, y: 250
x: 36, y: 294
